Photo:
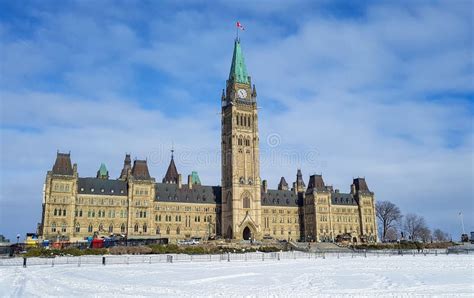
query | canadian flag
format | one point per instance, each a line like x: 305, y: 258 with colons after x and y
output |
x: 239, y: 25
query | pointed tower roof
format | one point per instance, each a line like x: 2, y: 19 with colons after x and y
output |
x: 140, y: 170
x: 283, y: 185
x: 102, y: 172
x: 361, y: 185
x: 62, y: 165
x: 238, y: 70
x: 316, y: 182
x: 299, y: 177
x: 172, y: 175
x: 127, y: 164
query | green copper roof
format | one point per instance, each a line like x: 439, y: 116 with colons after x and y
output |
x: 103, y: 170
x: 195, y: 178
x: 238, y: 70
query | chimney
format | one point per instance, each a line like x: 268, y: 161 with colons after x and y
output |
x: 179, y: 181
x: 190, y: 182
x: 265, y: 186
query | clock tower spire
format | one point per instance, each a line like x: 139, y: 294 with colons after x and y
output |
x: 241, y: 192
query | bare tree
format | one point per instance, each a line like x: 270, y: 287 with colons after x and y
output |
x: 391, y: 235
x: 425, y: 235
x: 389, y: 215
x: 415, y: 227
x: 440, y: 236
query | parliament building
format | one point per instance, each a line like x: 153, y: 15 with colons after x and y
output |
x: 136, y: 205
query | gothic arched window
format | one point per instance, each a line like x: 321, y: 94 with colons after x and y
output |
x: 246, y: 203
x: 122, y: 228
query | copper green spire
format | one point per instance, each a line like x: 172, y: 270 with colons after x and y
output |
x: 195, y: 178
x: 102, y: 172
x: 238, y: 70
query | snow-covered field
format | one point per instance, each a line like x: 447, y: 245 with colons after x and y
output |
x: 440, y: 275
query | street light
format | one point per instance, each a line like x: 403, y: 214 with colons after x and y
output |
x: 17, y: 238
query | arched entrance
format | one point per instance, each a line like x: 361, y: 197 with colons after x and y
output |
x: 247, y: 234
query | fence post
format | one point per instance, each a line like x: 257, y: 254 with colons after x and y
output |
x: 24, y: 262
x: 436, y: 252
x: 365, y: 253
x: 278, y: 256
x: 52, y: 262
x: 228, y: 257
x: 79, y: 262
x: 245, y: 257
x: 324, y: 255
x: 169, y: 259
x: 338, y: 255
x: 103, y: 260
x: 263, y: 257
x: 128, y: 260
x: 150, y: 260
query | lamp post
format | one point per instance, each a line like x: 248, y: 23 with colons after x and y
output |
x: 17, y: 239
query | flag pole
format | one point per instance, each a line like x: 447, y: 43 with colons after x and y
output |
x: 462, y: 223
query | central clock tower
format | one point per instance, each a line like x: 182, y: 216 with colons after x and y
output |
x: 241, y: 192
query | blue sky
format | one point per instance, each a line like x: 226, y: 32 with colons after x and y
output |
x: 379, y: 89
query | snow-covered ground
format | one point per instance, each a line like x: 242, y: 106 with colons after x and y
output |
x: 372, y: 276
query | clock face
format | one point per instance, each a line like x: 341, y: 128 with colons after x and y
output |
x: 241, y: 93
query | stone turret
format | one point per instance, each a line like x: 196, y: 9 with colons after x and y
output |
x: 300, y: 186
x: 127, y: 165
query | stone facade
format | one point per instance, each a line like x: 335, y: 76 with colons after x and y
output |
x: 135, y: 205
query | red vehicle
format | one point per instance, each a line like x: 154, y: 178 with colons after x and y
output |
x: 97, y: 243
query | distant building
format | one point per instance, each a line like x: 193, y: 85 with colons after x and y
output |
x: 244, y: 207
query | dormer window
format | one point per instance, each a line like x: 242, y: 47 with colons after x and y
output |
x: 92, y: 190
x: 82, y: 188
x: 101, y: 190
x: 121, y: 191
x: 111, y: 191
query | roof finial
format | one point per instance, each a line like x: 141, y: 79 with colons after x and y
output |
x: 172, y: 150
